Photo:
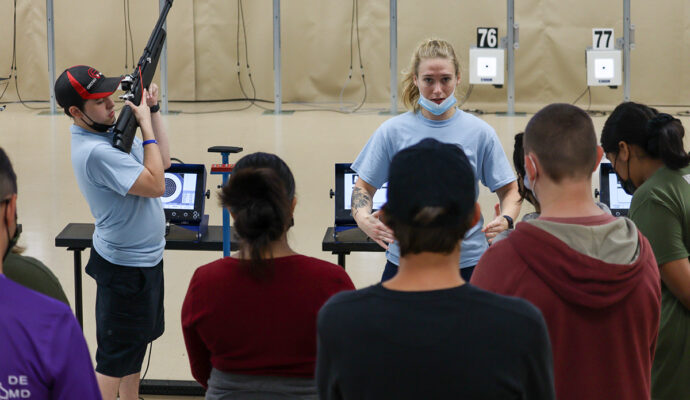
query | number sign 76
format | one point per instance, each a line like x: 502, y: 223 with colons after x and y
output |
x: 487, y: 38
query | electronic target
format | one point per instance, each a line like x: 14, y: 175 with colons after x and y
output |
x: 185, y: 192
x: 173, y: 187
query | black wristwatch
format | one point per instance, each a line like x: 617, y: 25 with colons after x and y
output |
x: 155, y: 108
x: 510, y: 221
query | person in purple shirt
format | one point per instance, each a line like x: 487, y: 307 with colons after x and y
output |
x: 43, y: 354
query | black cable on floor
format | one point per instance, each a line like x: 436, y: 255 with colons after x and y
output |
x: 354, y: 23
x: 14, y: 43
x: 587, y: 89
x: 147, y: 366
x: 128, y: 23
x: 14, y: 64
x: 124, y: 15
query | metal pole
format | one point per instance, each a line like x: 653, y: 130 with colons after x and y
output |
x: 394, y: 55
x: 627, y: 27
x: 78, y: 305
x: 276, y: 57
x: 164, y: 67
x: 226, y: 213
x: 51, y: 53
x: 511, y: 57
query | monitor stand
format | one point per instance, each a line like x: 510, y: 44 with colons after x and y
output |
x: 341, y: 228
x: 200, y: 229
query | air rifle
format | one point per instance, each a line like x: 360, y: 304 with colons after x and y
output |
x: 134, y: 84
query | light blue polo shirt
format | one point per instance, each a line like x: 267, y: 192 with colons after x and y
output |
x: 477, y: 138
x: 130, y: 230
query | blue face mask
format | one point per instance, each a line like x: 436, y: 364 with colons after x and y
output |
x: 437, y: 109
x: 526, y: 183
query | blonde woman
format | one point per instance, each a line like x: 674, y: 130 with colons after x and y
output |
x: 429, y: 94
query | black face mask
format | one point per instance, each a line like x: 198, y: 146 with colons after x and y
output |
x: 627, y: 184
x: 96, y: 126
x: 14, y: 239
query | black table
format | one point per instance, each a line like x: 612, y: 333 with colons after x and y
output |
x: 347, y: 241
x: 77, y: 237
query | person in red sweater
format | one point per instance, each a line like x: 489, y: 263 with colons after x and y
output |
x: 593, y: 276
x: 249, y: 320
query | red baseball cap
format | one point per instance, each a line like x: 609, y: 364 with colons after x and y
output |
x: 82, y: 82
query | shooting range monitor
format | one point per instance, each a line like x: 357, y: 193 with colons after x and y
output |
x: 487, y: 66
x: 185, y: 193
x: 611, y: 192
x: 604, y: 65
x: 345, y: 179
x: 487, y: 60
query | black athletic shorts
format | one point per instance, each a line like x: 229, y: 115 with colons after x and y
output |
x: 129, y: 313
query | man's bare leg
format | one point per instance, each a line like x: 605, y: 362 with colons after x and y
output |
x: 129, y: 387
x: 108, y: 386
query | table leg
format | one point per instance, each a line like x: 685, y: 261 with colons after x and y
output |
x: 341, y: 259
x: 78, y: 307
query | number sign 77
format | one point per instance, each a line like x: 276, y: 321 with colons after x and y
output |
x: 602, y: 38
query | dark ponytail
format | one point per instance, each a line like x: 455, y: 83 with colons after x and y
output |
x: 659, y: 135
x: 665, y: 141
x: 259, y: 194
x: 627, y: 123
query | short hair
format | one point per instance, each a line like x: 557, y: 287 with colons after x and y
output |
x: 562, y: 137
x: 8, y: 179
x: 79, y: 103
x: 433, y: 239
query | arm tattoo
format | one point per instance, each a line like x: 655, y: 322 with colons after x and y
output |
x: 360, y: 199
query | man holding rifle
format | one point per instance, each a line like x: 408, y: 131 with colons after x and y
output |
x: 122, y: 190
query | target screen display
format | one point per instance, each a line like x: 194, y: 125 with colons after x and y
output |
x: 180, y: 189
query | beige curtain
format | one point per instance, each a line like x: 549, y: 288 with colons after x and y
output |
x: 202, y: 46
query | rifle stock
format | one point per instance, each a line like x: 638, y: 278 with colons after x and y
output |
x: 126, y: 124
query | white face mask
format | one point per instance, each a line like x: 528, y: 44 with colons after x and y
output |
x: 529, y: 184
x: 437, y: 109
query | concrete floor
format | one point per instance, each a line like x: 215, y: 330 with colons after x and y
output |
x: 310, y: 142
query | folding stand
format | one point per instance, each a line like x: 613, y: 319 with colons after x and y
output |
x: 225, y: 170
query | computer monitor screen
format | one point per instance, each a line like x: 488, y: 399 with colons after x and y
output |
x: 348, y: 183
x: 179, y: 191
x: 185, y: 192
x: 611, y: 191
x: 345, y: 179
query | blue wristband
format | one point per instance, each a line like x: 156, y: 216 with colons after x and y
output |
x: 149, y: 142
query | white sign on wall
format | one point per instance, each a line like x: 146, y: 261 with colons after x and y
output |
x: 602, y: 39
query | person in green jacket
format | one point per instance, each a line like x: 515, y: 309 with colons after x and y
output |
x: 33, y: 274
x: 646, y: 150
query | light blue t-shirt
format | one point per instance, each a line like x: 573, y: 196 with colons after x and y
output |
x: 130, y: 230
x: 477, y: 138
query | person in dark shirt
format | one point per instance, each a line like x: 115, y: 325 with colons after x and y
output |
x: 32, y: 273
x: 425, y: 333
